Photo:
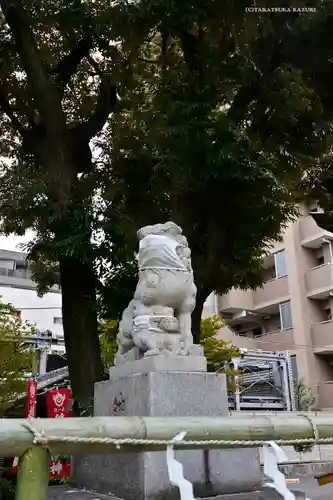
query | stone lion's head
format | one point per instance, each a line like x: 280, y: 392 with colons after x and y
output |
x: 167, y: 229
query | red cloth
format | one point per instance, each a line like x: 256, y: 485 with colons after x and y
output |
x: 59, y: 468
x: 30, y: 411
x: 57, y: 402
x: 30, y: 408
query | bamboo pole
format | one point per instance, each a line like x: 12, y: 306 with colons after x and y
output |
x: 33, y: 475
x: 15, y: 439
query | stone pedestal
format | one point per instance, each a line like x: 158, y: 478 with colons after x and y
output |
x: 154, y: 387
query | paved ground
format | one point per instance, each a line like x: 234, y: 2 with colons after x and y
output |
x: 313, y: 491
x: 68, y: 493
x: 307, y: 484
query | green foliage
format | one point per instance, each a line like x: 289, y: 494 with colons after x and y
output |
x: 15, y: 356
x: 204, y: 138
x: 107, y: 339
x: 45, y: 273
x: 7, y: 488
x: 218, y: 352
x: 306, y: 401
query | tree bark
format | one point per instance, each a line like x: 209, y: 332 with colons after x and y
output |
x: 79, y: 313
x: 202, y: 295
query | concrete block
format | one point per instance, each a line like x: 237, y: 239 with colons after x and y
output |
x: 143, y: 476
x: 160, y: 363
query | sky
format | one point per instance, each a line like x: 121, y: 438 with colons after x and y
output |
x: 12, y: 242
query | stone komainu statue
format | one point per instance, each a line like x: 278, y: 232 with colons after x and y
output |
x: 158, y: 318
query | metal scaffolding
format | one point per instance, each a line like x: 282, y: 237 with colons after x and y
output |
x: 265, y: 382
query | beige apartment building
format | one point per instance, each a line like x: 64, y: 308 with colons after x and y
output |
x: 294, y: 308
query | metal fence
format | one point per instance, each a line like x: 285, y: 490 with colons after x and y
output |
x: 34, y: 440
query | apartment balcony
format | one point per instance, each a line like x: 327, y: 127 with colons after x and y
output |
x: 20, y: 278
x: 325, y: 395
x: 279, y: 340
x: 319, y: 282
x: 236, y: 300
x: 322, y: 337
x: 16, y: 273
x: 311, y: 234
x: 272, y: 292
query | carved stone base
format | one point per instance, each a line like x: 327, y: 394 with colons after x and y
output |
x: 195, y: 362
x: 143, y: 475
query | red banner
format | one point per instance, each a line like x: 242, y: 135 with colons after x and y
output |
x: 59, y: 469
x: 30, y: 408
x: 57, y: 402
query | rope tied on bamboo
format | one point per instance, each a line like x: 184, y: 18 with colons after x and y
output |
x: 39, y: 435
x: 39, y: 438
x: 314, y: 428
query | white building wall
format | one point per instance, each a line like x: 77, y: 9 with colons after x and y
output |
x: 210, y: 306
x: 39, y: 311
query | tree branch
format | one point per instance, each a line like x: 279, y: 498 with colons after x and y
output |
x: 106, y: 102
x: 46, y: 96
x: 190, y: 47
x: 7, y: 109
x: 150, y: 61
x: 69, y: 63
x: 96, y: 67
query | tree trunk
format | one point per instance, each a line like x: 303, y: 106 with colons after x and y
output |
x: 79, y: 310
x: 202, y: 295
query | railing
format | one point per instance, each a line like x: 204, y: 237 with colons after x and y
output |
x: 322, y: 334
x: 33, y: 440
x: 319, y: 278
x: 309, y: 229
x: 15, y: 273
x: 271, y: 292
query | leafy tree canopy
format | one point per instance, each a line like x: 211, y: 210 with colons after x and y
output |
x: 191, y: 96
x: 15, y: 356
x: 57, y: 89
x: 209, y: 143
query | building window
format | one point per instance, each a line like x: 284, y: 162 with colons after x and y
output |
x: 280, y: 264
x: 285, y: 315
x: 57, y: 321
